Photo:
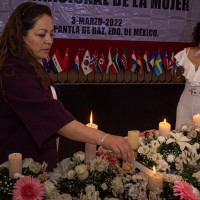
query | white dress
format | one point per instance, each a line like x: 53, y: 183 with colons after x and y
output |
x: 189, y: 103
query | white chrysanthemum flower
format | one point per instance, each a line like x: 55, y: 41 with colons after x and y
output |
x: 179, y: 164
x: 143, y: 149
x: 134, y: 191
x: 90, y: 189
x: 157, y: 157
x: 71, y: 173
x: 161, y: 139
x: 117, y: 186
x: 79, y: 156
x: 171, y: 178
x: 100, y: 164
x: 49, y: 188
x: 151, y: 153
x: 154, y: 144
x: 141, y: 141
x: 170, y: 158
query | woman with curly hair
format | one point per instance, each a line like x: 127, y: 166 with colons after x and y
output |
x: 188, y: 62
x: 31, y: 116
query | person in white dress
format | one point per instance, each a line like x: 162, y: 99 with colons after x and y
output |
x: 188, y: 62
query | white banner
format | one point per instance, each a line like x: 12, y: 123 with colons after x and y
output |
x: 134, y: 20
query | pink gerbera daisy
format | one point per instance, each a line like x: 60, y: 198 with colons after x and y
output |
x: 28, y: 188
x: 183, y: 189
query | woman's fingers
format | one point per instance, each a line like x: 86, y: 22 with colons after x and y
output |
x: 120, y: 147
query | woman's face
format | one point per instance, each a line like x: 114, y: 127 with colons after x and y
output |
x: 40, y: 38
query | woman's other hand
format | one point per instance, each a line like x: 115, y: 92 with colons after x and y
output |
x: 178, y: 75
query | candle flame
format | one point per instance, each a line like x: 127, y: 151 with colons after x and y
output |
x: 198, y: 115
x: 164, y: 121
x: 154, y: 170
x: 91, y: 122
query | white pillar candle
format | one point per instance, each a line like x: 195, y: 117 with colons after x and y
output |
x: 164, y: 128
x: 155, y: 180
x: 15, y: 164
x: 196, y: 120
x: 90, y: 149
x: 133, y: 139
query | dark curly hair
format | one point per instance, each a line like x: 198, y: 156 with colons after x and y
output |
x: 196, y: 34
x: 12, y: 41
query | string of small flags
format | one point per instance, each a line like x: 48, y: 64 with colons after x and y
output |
x: 105, y: 64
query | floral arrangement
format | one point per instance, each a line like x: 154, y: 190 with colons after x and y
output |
x: 177, y: 156
x: 105, y: 177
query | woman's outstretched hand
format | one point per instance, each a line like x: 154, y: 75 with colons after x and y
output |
x: 120, y: 147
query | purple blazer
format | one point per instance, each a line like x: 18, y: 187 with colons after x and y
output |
x: 29, y: 116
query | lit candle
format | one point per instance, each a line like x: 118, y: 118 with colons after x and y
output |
x: 155, y: 180
x: 133, y: 139
x: 164, y: 128
x: 15, y: 164
x: 90, y: 149
x: 196, y: 120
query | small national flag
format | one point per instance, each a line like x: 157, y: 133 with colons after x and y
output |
x: 152, y: 59
x: 76, y: 62
x: 175, y: 66
x: 158, y: 67
x: 116, y: 64
x: 45, y: 62
x: 134, y: 67
x: 66, y: 60
x: 124, y: 61
x: 86, y: 63
x: 145, y: 62
x: 139, y: 62
x: 102, y: 63
x: 58, y: 62
x: 109, y: 61
x: 165, y: 62
x: 94, y: 61
x: 171, y: 63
